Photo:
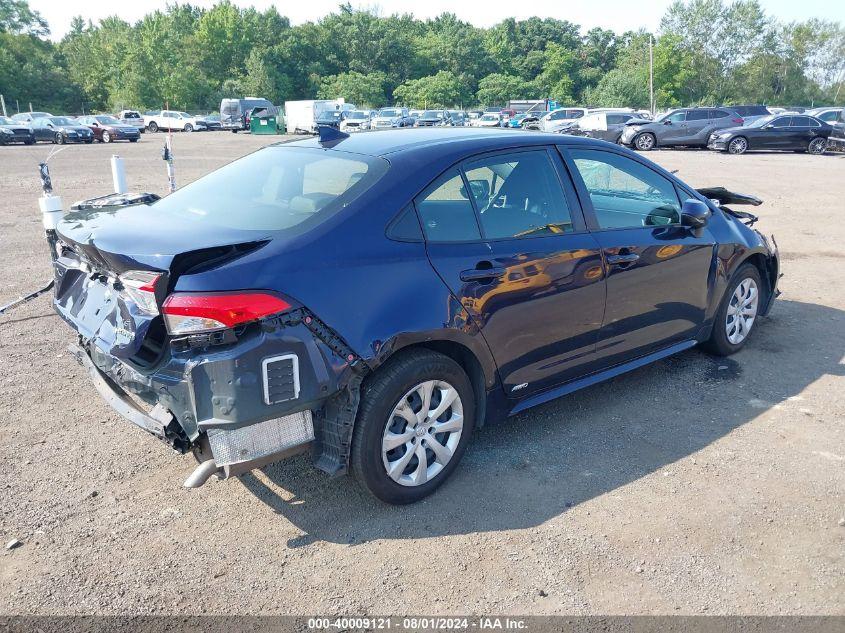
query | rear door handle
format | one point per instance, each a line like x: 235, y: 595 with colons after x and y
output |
x: 476, y: 274
x: 626, y: 258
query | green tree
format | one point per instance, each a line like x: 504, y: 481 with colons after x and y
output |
x: 362, y: 90
x: 443, y: 90
x: 498, y: 89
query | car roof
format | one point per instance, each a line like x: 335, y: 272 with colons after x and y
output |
x: 435, y: 141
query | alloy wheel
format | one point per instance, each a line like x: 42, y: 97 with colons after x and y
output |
x: 645, y: 142
x: 106, y: 137
x: 817, y: 146
x: 738, y: 146
x: 742, y: 311
x: 422, y: 433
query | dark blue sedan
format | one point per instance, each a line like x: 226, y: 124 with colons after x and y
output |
x: 376, y: 298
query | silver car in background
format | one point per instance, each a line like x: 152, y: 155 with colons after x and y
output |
x: 684, y: 126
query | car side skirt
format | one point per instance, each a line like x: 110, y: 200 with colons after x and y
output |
x: 601, y: 376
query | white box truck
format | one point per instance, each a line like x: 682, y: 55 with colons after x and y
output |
x: 300, y: 115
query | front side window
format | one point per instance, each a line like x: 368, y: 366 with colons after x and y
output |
x: 446, y: 212
x: 781, y: 121
x: 676, y: 117
x: 276, y: 189
x: 518, y: 195
x: 626, y: 193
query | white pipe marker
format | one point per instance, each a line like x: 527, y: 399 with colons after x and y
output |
x: 118, y: 174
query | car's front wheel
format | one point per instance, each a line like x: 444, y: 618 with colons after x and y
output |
x: 738, y: 145
x: 106, y: 136
x: 59, y: 138
x: 738, y: 312
x: 189, y: 127
x: 645, y: 141
x: 414, y: 422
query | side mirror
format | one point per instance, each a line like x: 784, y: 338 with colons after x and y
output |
x: 480, y: 189
x: 694, y: 214
x: 667, y: 122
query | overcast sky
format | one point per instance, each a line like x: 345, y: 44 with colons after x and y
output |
x: 618, y: 15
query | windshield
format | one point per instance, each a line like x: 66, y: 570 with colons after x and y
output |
x: 61, y: 120
x: 390, y: 112
x: 490, y: 117
x: 329, y: 116
x: 185, y: 114
x: 276, y: 189
x: 107, y: 120
x: 430, y: 114
x: 357, y: 115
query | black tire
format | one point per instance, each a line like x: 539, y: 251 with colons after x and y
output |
x: 718, y: 342
x: 59, y: 138
x: 380, y: 393
x: 29, y: 142
x: 153, y: 127
x: 188, y: 128
x: 133, y: 140
x: 817, y: 146
x: 737, y: 145
x: 106, y: 136
x: 89, y: 142
x: 645, y: 141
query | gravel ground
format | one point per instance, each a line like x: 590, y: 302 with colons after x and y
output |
x: 695, y: 485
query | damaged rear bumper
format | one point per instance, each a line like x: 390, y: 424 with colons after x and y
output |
x: 278, y: 391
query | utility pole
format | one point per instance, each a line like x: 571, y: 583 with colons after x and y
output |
x: 651, y: 72
x: 3, y: 104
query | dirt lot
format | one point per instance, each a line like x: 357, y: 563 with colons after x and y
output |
x: 696, y: 485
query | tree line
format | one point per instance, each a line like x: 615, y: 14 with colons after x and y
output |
x: 705, y: 52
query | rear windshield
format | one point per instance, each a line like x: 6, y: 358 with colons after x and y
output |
x: 276, y: 189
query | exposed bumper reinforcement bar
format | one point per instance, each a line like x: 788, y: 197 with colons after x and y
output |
x: 154, y: 422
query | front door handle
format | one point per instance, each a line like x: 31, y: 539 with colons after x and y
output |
x: 621, y: 259
x: 477, y: 274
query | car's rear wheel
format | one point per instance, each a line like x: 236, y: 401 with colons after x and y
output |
x: 645, y: 141
x: 738, y: 312
x: 153, y: 127
x: 817, y: 146
x: 133, y: 140
x: 106, y: 136
x: 738, y: 145
x: 414, y: 422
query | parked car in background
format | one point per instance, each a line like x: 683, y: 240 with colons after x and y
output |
x: 15, y: 132
x: 532, y: 119
x: 837, y: 136
x: 457, y: 117
x: 233, y: 112
x: 685, y: 126
x: 561, y: 117
x: 749, y: 113
x: 796, y: 132
x: 391, y: 117
x: 133, y: 118
x: 356, y: 121
x: 470, y: 277
x: 212, y: 122
x: 61, y: 129
x: 607, y: 126
x: 432, y: 118
x: 173, y: 120
x: 488, y: 119
x: 332, y: 118
x: 827, y: 114
x: 28, y: 117
x: 107, y: 128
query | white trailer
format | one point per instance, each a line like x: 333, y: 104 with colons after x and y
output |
x: 300, y: 115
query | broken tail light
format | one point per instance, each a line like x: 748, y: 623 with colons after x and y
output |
x: 139, y: 286
x: 192, y: 313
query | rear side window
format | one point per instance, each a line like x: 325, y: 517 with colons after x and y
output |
x: 697, y: 115
x: 802, y: 121
x: 721, y: 114
x: 518, y: 195
x: 626, y: 193
x: 276, y: 188
x: 616, y: 119
x: 446, y: 212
